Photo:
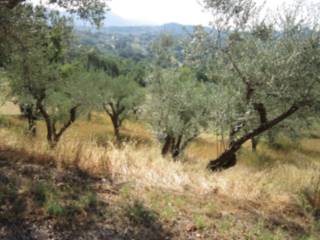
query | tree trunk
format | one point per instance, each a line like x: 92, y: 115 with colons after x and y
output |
x: 176, y: 149
x: 31, y: 120
x: 228, y: 158
x: 167, y: 145
x: 32, y: 127
x: 53, y: 136
x: 254, y: 144
x: 116, y: 127
x: 89, y: 116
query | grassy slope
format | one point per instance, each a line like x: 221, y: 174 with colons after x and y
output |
x: 134, y: 193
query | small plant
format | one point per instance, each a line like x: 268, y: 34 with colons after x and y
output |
x: 47, y: 197
x: 139, y: 214
x: 54, y: 208
x: 40, y: 192
x: 200, y: 222
x: 89, y: 200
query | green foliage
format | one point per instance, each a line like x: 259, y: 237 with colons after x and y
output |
x: 62, y: 202
x: 43, y: 74
x: 200, y: 222
x: 177, y: 106
x: 164, y: 52
x: 119, y: 97
x: 265, y: 71
x: 122, y: 92
x: 94, y: 10
x: 36, y: 67
x: 54, y: 208
x: 139, y: 214
x: 88, y: 200
x: 40, y: 192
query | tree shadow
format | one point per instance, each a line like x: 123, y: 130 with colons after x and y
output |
x: 143, y: 222
x: 39, y: 201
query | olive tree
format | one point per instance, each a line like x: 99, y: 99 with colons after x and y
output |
x: 119, y: 97
x: 176, y: 108
x: 88, y: 9
x: 272, y: 65
x: 15, y: 20
x: 43, y: 76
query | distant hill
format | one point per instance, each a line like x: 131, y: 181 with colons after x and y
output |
x: 122, y: 28
x: 112, y: 19
x: 172, y: 28
x: 114, y: 24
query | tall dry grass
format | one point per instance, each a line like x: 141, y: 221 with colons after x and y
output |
x: 145, y: 168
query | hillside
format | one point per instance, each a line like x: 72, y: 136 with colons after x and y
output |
x: 134, y: 131
x: 133, y: 193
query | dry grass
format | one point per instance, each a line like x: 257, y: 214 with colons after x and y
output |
x: 9, y: 108
x: 266, y: 185
x: 279, y: 175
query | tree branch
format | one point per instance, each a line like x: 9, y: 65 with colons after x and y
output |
x: 262, y: 111
x: 72, y: 118
x: 267, y: 125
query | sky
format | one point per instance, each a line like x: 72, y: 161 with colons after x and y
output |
x: 164, y: 11
x: 161, y: 11
x: 168, y: 11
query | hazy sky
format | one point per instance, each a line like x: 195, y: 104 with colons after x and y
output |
x: 164, y: 11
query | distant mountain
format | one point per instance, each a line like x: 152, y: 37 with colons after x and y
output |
x: 172, y: 28
x: 115, y: 24
x: 112, y: 19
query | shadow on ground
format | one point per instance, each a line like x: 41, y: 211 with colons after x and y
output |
x: 39, y: 201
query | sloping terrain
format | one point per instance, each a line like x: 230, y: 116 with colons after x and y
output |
x: 40, y: 201
x: 87, y: 188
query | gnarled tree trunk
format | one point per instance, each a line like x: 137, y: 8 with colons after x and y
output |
x: 167, y: 145
x: 29, y: 113
x: 116, y: 123
x: 229, y: 159
x: 114, y: 111
x: 175, y: 146
x: 54, y: 135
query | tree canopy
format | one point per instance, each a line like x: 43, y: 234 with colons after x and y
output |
x: 273, y: 68
x: 43, y: 75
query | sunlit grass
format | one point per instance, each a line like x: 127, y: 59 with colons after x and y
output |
x: 275, y: 172
x: 272, y: 178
